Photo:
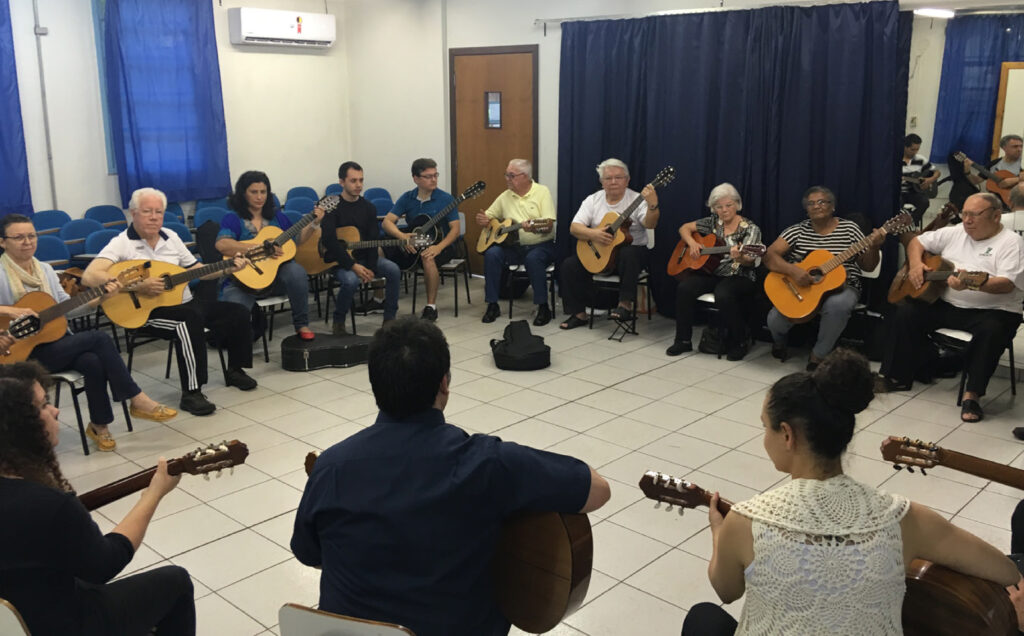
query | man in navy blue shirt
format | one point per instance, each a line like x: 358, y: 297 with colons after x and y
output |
x: 425, y: 200
x: 403, y: 517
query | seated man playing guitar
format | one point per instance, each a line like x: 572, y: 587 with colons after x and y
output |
x: 1007, y: 168
x: 418, y: 206
x: 363, y: 264
x: 145, y: 239
x: 821, y: 230
x: 403, y: 516
x: 991, y: 310
x: 525, y: 201
x: 918, y: 178
x: 615, y: 196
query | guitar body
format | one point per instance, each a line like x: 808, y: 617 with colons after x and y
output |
x: 492, y: 235
x: 308, y: 255
x: 941, y: 602
x: 681, y: 261
x: 131, y: 310
x: 542, y: 568
x: 262, y: 274
x: 929, y: 292
x: 600, y: 259
x: 49, y: 332
x: 780, y: 288
x: 992, y: 185
x: 400, y: 256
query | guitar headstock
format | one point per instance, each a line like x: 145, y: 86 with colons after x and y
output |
x: 973, y: 280
x: 899, y: 224
x: 673, y: 490
x: 328, y: 203
x: 904, y: 452
x: 474, y: 190
x: 960, y: 156
x: 540, y: 225
x: 949, y: 212
x: 213, y: 458
x: 665, y: 177
x: 134, y: 275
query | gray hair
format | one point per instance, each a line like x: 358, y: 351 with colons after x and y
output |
x: 611, y: 163
x: 523, y: 165
x: 1017, y: 197
x: 1008, y: 138
x: 819, y: 189
x: 723, y: 190
x: 144, y: 192
x: 994, y: 202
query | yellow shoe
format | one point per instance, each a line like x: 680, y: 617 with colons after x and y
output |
x: 104, y: 441
x: 159, y: 413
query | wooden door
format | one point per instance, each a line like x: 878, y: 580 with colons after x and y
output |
x: 480, y: 150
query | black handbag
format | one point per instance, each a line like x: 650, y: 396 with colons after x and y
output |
x: 520, y: 350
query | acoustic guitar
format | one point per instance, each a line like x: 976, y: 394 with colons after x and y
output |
x: 262, y: 253
x: 130, y: 309
x: 202, y: 461
x: 542, y: 566
x: 497, y: 231
x: 906, y: 453
x: 50, y: 324
x: 311, y: 253
x: 598, y: 258
x: 916, y: 180
x: 427, y: 226
x: 938, y: 601
x: 992, y: 178
x: 934, y: 280
x: 799, y: 303
x: 711, y: 253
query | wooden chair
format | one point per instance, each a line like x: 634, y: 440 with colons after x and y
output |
x: 11, y: 622
x: 299, y: 620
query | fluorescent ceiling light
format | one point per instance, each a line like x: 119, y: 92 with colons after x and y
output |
x: 944, y: 14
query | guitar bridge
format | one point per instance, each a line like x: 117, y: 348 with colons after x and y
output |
x: 793, y: 289
x: 594, y: 249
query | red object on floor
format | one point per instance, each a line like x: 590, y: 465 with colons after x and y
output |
x: 306, y: 335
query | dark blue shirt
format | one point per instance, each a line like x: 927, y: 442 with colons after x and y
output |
x: 404, y: 516
x: 233, y: 227
x: 411, y: 207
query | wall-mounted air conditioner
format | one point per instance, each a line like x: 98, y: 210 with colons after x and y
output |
x: 281, y: 28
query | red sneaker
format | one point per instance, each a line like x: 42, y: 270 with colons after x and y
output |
x: 306, y: 334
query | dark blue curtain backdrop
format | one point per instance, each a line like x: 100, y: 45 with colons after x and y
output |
x: 164, y: 97
x: 976, y: 47
x: 771, y: 100
x: 15, y: 196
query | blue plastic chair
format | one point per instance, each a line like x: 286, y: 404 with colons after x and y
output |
x: 334, y: 188
x: 73, y: 234
x: 300, y: 204
x: 293, y: 216
x: 95, y: 242
x: 208, y: 214
x: 50, y: 221
x: 180, y: 230
x: 377, y: 193
x: 277, y: 202
x: 383, y: 206
x: 222, y: 202
x: 302, y: 191
x: 107, y: 215
x: 175, y: 209
x: 50, y: 249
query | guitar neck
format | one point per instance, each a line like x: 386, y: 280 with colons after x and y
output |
x: 191, y: 274
x: 985, y: 172
x: 123, y: 487
x: 848, y: 253
x: 358, y: 245
x: 426, y: 227
x: 938, y: 275
x: 984, y: 468
x: 294, y: 230
x: 626, y: 214
x: 69, y: 305
x: 718, y: 249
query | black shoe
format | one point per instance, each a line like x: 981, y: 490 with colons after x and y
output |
x: 196, y: 403
x: 780, y: 351
x: 543, y: 315
x: 338, y: 329
x: 737, y: 351
x: 429, y: 313
x: 883, y: 384
x: 492, y: 313
x: 239, y: 378
x: 373, y: 305
x: 679, y: 347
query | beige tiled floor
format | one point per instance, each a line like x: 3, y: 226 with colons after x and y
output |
x: 623, y: 407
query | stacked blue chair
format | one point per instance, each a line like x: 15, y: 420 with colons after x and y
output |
x: 334, y: 188
x: 378, y: 193
x: 301, y: 191
x: 50, y: 221
x: 175, y: 209
x: 95, y: 242
x: 52, y: 250
x: 208, y: 214
x: 171, y: 217
x: 300, y: 204
x: 277, y: 202
x: 73, y: 234
x: 222, y: 202
x: 383, y: 206
x: 182, y: 231
x: 107, y: 215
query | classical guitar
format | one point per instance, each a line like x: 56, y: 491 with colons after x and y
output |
x: 799, y: 303
x: 311, y: 253
x: 202, y: 461
x: 130, y: 309
x: 992, y: 178
x: 497, y: 231
x: 946, y: 215
x: 938, y: 272
x: 542, y: 566
x: 427, y: 226
x: 598, y: 258
x: 938, y: 602
x: 904, y: 452
x: 262, y: 253
x: 916, y: 180
x: 710, y: 255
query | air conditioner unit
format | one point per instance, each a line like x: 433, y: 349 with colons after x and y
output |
x: 281, y: 28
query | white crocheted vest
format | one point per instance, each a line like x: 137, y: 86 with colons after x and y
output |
x: 828, y: 559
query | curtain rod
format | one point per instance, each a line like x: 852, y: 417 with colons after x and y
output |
x: 626, y: 16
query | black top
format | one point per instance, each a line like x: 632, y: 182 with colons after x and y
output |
x: 404, y: 517
x: 48, y: 541
x: 363, y: 216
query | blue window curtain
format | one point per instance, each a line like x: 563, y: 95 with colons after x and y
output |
x: 164, y: 96
x: 15, y: 195
x: 976, y: 47
x: 771, y: 100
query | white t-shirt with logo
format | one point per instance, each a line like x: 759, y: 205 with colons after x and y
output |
x: 594, y: 207
x: 999, y: 255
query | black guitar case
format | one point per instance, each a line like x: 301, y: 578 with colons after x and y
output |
x: 325, y: 351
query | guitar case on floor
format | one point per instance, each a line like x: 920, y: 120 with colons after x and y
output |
x: 325, y: 351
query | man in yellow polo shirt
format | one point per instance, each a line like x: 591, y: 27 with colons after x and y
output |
x: 529, y: 203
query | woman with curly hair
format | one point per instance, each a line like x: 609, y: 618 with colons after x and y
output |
x: 54, y: 562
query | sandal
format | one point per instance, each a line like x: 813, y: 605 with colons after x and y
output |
x: 573, y: 322
x: 622, y: 314
x: 104, y: 441
x: 971, y: 408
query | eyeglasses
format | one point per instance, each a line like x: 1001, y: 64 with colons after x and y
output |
x: 23, y: 238
x: 431, y: 176
x: 513, y: 175
x: 152, y: 212
x: 820, y: 203
x: 973, y: 215
x: 618, y: 177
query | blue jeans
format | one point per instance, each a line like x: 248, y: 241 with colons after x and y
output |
x: 291, y: 280
x: 536, y: 257
x: 835, y: 313
x: 349, y: 283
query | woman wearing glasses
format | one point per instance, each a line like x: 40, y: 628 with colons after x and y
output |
x: 91, y: 353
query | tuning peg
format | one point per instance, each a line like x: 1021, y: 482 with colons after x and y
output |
x: 897, y: 467
x: 922, y: 472
x: 206, y: 476
x: 910, y: 469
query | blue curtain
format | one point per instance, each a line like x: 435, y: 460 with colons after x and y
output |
x: 164, y: 97
x: 15, y: 196
x: 976, y: 47
x: 771, y: 100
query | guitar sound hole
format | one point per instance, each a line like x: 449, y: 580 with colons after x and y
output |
x: 816, y: 275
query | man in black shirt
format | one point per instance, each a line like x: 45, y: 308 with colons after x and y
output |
x: 362, y: 265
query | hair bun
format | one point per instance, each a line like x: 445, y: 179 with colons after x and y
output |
x: 843, y: 380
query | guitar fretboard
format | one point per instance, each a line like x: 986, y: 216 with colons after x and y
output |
x: 69, y: 305
x: 191, y: 274
x: 426, y: 227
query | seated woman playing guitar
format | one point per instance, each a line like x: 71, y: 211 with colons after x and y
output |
x: 824, y: 553
x: 91, y: 353
x: 54, y: 562
x: 732, y: 277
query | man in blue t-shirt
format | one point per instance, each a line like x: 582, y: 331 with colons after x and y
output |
x: 418, y: 206
x: 404, y: 516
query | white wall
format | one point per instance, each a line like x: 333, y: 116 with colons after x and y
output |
x: 926, y: 47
